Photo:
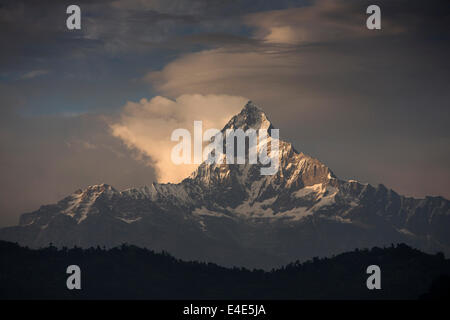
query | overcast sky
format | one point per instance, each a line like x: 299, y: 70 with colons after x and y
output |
x: 97, y: 105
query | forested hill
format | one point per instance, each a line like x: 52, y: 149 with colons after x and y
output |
x: 129, y: 272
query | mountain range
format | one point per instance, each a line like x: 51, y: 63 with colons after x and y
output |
x: 232, y: 215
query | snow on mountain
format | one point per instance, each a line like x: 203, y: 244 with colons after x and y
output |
x: 233, y: 215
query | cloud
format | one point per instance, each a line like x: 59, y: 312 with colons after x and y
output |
x: 147, y: 126
x: 323, y: 21
x: 34, y: 74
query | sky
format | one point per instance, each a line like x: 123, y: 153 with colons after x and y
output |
x: 97, y: 105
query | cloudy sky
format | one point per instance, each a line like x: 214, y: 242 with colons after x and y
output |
x: 97, y: 105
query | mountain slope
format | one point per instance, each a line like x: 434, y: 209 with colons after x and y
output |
x: 232, y: 215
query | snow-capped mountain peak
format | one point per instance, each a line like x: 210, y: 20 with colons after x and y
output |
x: 250, y: 117
x: 233, y: 215
x: 296, y: 170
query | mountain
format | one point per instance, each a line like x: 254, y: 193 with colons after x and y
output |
x: 233, y: 215
x: 141, y: 274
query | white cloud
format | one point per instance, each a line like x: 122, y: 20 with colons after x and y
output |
x: 147, y: 126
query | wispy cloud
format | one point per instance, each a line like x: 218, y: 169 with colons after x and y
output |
x: 34, y: 74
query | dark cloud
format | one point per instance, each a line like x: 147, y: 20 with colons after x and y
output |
x: 34, y: 32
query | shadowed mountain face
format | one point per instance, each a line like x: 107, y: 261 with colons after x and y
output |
x: 233, y: 215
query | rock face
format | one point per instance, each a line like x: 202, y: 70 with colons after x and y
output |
x: 233, y: 215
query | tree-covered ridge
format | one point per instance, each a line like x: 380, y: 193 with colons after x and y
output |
x: 130, y: 272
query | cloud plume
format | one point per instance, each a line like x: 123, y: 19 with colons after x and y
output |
x: 147, y: 126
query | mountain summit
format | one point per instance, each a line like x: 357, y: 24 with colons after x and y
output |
x: 232, y: 215
x: 243, y: 184
x: 250, y: 117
